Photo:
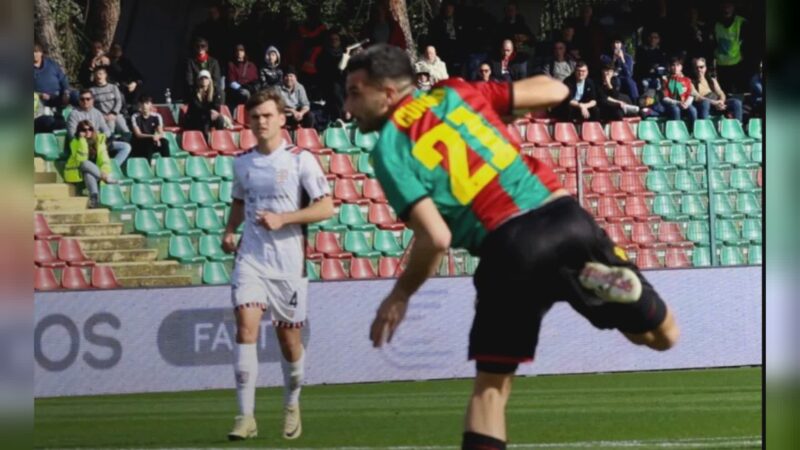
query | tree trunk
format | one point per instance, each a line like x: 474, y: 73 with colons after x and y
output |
x: 400, y: 13
x: 103, y: 21
x: 44, y: 30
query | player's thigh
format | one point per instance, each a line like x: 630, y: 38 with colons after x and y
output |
x: 288, y: 301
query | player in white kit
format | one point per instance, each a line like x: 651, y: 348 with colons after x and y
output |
x: 277, y: 188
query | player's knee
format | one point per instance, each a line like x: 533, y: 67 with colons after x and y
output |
x: 246, y: 334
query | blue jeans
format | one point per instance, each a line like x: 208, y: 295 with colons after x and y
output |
x: 628, y: 86
x: 673, y: 111
x: 120, y: 151
x: 734, y: 105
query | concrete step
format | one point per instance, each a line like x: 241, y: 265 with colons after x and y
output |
x: 120, y: 242
x: 164, y: 281
x: 39, y: 164
x: 100, y: 215
x: 106, y: 230
x: 62, y: 204
x: 113, y: 256
x: 42, y: 177
x: 147, y: 269
x: 53, y: 190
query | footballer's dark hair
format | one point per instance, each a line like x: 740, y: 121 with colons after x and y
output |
x: 383, y: 62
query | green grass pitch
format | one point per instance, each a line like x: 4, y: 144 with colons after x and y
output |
x: 714, y: 409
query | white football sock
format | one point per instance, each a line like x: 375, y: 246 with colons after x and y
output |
x: 293, y: 379
x: 245, y: 368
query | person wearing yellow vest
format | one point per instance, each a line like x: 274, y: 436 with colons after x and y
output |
x: 88, y: 161
x: 729, y: 36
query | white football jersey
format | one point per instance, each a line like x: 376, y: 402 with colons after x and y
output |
x: 275, y: 183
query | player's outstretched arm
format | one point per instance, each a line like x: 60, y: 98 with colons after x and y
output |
x: 431, y: 241
x: 540, y: 91
x: 317, y: 211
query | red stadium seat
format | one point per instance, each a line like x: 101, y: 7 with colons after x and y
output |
x: 240, y: 116
x: 103, y: 278
x: 670, y: 232
x: 333, y: 269
x: 41, y: 230
x: 759, y: 178
x: 168, y: 119
x: 676, y: 257
x: 380, y: 214
x: 247, y: 139
x: 345, y: 189
x: 642, y: 234
x: 389, y: 267
x: 329, y: 245
x: 537, y: 133
x: 44, y: 279
x: 608, y: 206
x: 222, y: 142
x: 342, y: 165
x: 227, y: 113
x: 543, y: 154
x: 567, y: 158
x: 43, y: 256
x: 625, y: 157
x: 596, y: 156
x: 571, y: 183
x: 593, y: 132
x: 631, y: 182
x: 516, y: 137
x: 373, y: 191
x: 636, y: 206
x: 73, y: 278
x: 308, y: 138
x: 194, y: 142
x: 287, y: 136
x: 647, y: 258
x: 566, y: 133
x: 69, y: 250
x: 617, y: 234
x: 602, y: 183
x: 621, y: 132
x: 361, y: 268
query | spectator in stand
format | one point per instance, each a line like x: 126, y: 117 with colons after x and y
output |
x: 710, y: 98
x: 423, y: 80
x: 109, y: 101
x: 756, y: 101
x: 148, y: 131
x: 446, y: 33
x: 730, y: 33
x: 271, y: 74
x: 652, y: 63
x: 96, y: 57
x: 298, y: 108
x: 202, y: 61
x: 51, y: 87
x: 623, y: 69
x: 484, y: 73
x: 433, y: 65
x: 88, y: 161
x: 509, y: 67
x: 331, y: 78
x: 677, y: 94
x: 124, y: 74
x: 582, y: 101
x: 204, y: 106
x: 561, y: 66
x: 87, y: 111
x: 613, y: 105
x: 242, y: 77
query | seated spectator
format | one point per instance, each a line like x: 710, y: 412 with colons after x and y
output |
x: 204, y: 106
x: 560, y: 67
x: 651, y: 63
x: 432, y: 65
x: 96, y: 57
x: 509, y: 66
x: 271, y: 74
x: 88, y: 161
x: 242, y: 77
x: 756, y: 101
x: 612, y: 104
x: 677, y: 94
x: 710, y: 98
x: 51, y: 86
x: 423, y: 80
x: 201, y: 61
x: 108, y: 100
x: 623, y: 69
x: 582, y: 101
x: 484, y: 72
x: 298, y: 108
x: 148, y: 131
x: 124, y: 74
x: 86, y: 111
x: 331, y: 77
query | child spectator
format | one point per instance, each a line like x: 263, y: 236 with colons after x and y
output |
x: 108, y: 100
x: 271, y: 74
x: 148, y: 131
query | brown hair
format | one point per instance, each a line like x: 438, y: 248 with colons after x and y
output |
x: 263, y: 97
x: 92, y: 141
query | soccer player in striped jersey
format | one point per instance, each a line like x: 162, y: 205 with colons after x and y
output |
x: 455, y: 175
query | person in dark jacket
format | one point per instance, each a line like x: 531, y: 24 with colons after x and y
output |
x: 271, y: 74
x: 51, y: 86
x: 510, y: 66
x: 204, y: 106
x: 199, y: 62
x: 611, y: 103
x: 582, y: 101
x: 242, y: 77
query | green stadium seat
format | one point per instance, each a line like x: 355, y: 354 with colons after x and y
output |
x: 742, y: 180
x: 701, y: 256
x: 147, y: 223
x: 679, y: 155
x: 735, y: 154
x: 223, y: 167
x: 731, y: 129
x: 686, y: 181
x: 337, y: 139
x: 197, y: 167
x: 181, y: 248
x: 705, y: 130
x: 226, y: 191
x: 175, y: 150
x: 697, y: 232
x: 658, y: 181
x: 142, y: 196
x: 756, y: 153
x: 408, y: 234
x: 215, y: 273
x: 652, y: 156
x: 172, y: 195
x: 664, y: 206
x: 365, y: 165
x: 119, y: 176
x: 386, y: 243
x: 723, y: 206
x: 676, y: 130
x: 211, y: 247
x: 747, y: 203
x: 648, y: 131
x: 139, y: 169
x: 208, y: 221
x: 111, y: 196
x: 365, y: 141
x: 311, y: 271
x: 727, y: 231
x: 754, y: 128
x: 46, y: 145
x: 731, y: 255
x: 356, y: 242
x: 169, y: 170
x: 718, y: 182
x: 751, y: 230
x: 201, y: 194
x: 754, y: 254
x: 351, y: 215
x: 178, y: 222
x: 693, y: 205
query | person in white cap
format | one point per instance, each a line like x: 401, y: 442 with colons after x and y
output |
x: 204, y: 106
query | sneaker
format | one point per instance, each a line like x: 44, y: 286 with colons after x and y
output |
x: 611, y: 284
x: 292, y: 426
x: 244, y: 428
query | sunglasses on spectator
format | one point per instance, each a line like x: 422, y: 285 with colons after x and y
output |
x: 87, y: 129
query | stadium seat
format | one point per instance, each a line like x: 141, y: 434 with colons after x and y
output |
x: 172, y: 195
x: 593, y: 133
x: 333, y: 269
x: 723, y: 206
x: 670, y: 233
x: 181, y: 248
x: 756, y: 154
x: 215, y: 273
x: 647, y: 258
x: 44, y: 279
x: 197, y: 167
x: 636, y: 207
x: 596, y: 157
x: 208, y: 221
x: 103, y: 277
x: 361, y: 268
x: 225, y: 111
x: 516, y: 137
x: 201, y: 194
x: 602, y: 183
x: 342, y: 165
x: 642, y: 234
x: 566, y: 134
x: 387, y: 266
x: 679, y: 155
x: 664, y: 206
x: 337, y: 139
x: 43, y: 255
x: 380, y: 214
x: 312, y: 271
x: 754, y: 254
x: 570, y: 183
x: 365, y: 165
x: 631, y: 182
x: 742, y: 180
x: 649, y: 132
x: 194, y: 142
x: 139, y: 170
x: 118, y: 175
x: 621, y: 132
x: 308, y: 138
x: 705, y: 130
x: 73, y: 278
x: 697, y: 231
x: 686, y: 181
x: 365, y: 141
x: 351, y: 215
x: 221, y: 141
x: 175, y: 150
x: 537, y: 133
x: 147, y: 222
x: 608, y: 206
x: 676, y: 258
x: 718, y: 182
x: 168, y: 119
x: 747, y: 203
x: 625, y: 157
x: 178, y: 222
x: 45, y: 145
x: 676, y: 131
x: 701, y: 256
x: 731, y: 129
x: 751, y: 230
x: 652, y: 156
x: 357, y: 243
x: 544, y: 155
x: 223, y: 167
x: 617, y: 234
x: 693, y: 205
x: 210, y: 246
x: 386, y: 243
x: 327, y: 244
x: 754, y: 129
x: 41, y: 229
x: 69, y: 251
x: 567, y: 158
x: 727, y: 231
x: 346, y: 190
x: 169, y: 170
x: 240, y: 117
x: 657, y: 181
x: 247, y: 139
x: 731, y: 255
x: 407, y: 237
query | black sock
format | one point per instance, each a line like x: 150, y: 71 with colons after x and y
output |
x: 477, y: 441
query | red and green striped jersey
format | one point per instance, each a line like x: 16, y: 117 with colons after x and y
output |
x: 449, y: 144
